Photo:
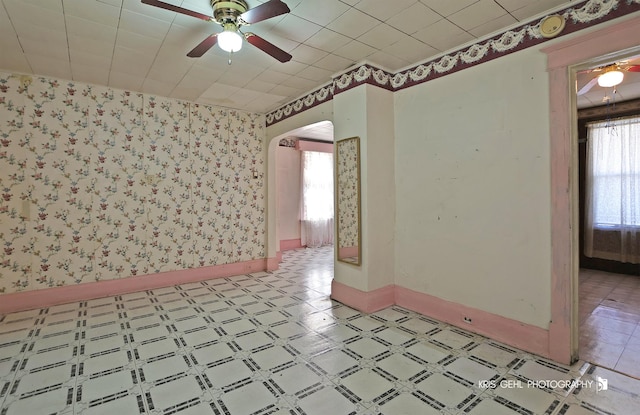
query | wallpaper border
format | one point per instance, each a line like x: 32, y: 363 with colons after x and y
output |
x: 578, y: 17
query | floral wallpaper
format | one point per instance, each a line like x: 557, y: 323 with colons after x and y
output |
x: 101, y: 184
x: 347, y: 166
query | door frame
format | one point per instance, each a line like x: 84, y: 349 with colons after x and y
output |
x: 618, y: 38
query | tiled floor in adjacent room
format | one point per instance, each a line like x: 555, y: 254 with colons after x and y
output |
x: 274, y: 343
x: 610, y: 320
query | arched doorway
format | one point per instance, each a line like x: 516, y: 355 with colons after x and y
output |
x: 284, y: 171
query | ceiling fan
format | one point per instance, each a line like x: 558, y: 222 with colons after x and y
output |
x: 608, y: 75
x: 231, y: 16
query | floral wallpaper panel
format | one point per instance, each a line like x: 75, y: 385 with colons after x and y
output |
x: 347, y: 160
x: 247, y: 211
x: 101, y: 184
x: 15, y: 271
x: 116, y: 130
x: 211, y: 172
x: 61, y: 183
x: 166, y: 185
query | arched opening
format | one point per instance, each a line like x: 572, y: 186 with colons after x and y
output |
x: 285, y: 162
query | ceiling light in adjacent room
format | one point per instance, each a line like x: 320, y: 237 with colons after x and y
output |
x: 610, y: 78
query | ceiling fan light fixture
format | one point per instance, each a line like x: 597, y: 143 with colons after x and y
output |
x: 230, y: 40
x: 610, y: 78
x: 232, y: 15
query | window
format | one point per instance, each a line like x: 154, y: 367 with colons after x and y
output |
x: 317, y: 176
x: 613, y: 172
x: 612, y: 225
x: 317, y: 199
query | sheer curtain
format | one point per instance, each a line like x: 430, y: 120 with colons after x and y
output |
x: 317, y: 199
x: 612, y: 225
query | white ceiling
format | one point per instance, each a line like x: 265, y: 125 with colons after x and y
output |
x: 126, y: 44
x: 628, y: 89
x: 322, y: 130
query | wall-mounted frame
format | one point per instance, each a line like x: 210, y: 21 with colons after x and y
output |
x: 348, y: 222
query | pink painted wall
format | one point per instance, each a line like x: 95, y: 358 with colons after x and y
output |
x: 288, y: 184
x: 288, y: 193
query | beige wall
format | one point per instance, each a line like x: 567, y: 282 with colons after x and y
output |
x: 473, y: 188
x: 349, y: 122
x: 468, y: 159
x: 367, y: 112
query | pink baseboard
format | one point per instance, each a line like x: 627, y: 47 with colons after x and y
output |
x: 27, y: 300
x: 290, y: 244
x: 367, y: 302
x: 514, y: 333
x: 517, y: 334
x: 272, y: 263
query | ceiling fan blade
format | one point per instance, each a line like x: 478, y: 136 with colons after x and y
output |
x: 588, y: 86
x: 268, y: 47
x: 265, y: 11
x: 177, y: 9
x: 204, y: 46
x: 634, y: 68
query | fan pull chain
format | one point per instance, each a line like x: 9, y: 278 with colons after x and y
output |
x: 230, y: 55
x: 611, y: 106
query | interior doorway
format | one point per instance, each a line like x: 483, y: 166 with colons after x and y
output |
x: 304, y: 172
x: 608, y: 281
x: 563, y: 59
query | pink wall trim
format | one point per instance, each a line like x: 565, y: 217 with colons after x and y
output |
x: 367, y: 302
x: 290, y: 244
x: 517, y: 334
x: 272, y: 263
x: 617, y: 37
x: 563, y: 328
x: 303, y: 145
x: 47, y: 297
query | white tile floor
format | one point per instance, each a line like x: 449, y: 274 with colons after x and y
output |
x: 274, y: 343
x: 609, y: 312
